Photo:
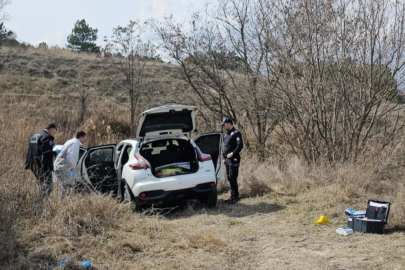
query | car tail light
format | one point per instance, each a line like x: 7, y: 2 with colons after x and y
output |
x: 140, y: 165
x: 143, y: 195
x: 212, y: 184
x: 203, y: 157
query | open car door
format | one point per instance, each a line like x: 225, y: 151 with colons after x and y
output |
x: 211, y: 143
x: 122, y: 157
x: 97, y: 168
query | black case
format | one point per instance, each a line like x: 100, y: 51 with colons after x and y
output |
x: 377, y: 216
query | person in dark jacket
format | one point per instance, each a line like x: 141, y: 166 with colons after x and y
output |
x: 40, y: 158
x: 233, y: 144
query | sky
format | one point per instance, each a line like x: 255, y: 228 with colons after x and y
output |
x: 51, y: 21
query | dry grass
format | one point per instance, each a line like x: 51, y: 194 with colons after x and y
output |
x: 272, y: 227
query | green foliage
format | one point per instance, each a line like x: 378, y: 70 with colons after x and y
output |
x: 83, y: 38
x: 43, y: 45
x: 155, y: 58
x: 14, y: 43
x: 5, y: 34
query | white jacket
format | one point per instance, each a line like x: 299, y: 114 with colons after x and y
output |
x: 65, y: 162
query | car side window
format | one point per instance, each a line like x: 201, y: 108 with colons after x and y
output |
x: 100, y: 155
x: 208, y: 143
x: 125, y: 154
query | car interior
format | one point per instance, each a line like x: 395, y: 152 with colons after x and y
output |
x: 100, y: 169
x: 169, y: 151
x: 125, y: 155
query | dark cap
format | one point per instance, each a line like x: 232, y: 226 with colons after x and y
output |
x: 50, y: 126
x: 226, y: 120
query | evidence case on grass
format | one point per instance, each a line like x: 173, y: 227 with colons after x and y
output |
x: 375, y: 219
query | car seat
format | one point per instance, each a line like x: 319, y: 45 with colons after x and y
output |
x: 147, y: 152
x: 172, y: 148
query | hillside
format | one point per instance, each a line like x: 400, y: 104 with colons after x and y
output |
x: 36, y: 72
x: 271, y: 228
x: 48, y: 81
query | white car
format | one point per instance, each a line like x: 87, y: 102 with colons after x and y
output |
x: 161, y: 164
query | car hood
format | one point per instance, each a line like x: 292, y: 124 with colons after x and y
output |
x: 167, y: 120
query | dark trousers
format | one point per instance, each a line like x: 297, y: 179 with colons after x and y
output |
x: 44, y: 180
x: 232, y: 172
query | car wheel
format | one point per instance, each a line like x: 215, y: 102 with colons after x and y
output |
x: 128, y: 196
x: 121, y: 192
x: 210, y: 200
x: 124, y: 193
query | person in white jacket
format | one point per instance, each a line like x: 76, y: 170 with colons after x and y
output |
x: 65, y: 162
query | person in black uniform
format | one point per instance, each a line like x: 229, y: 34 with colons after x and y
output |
x: 40, y: 158
x: 233, y: 144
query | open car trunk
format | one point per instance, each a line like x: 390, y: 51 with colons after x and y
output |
x: 167, y: 120
x: 169, y: 157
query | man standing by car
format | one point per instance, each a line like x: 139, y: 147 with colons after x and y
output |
x: 233, y: 144
x: 65, y: 163
x: 40, y: 158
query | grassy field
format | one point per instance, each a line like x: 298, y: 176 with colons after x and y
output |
x: 271, y: 228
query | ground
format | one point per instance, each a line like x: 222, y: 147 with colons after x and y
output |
x: 271, y: 231
x: 263, y: 236
x: 267, y: 232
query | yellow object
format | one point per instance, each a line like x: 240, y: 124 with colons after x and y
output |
x: 169, y: 172
x: 322, y: 220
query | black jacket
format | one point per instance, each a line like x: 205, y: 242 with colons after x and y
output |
x: 233, y: 143
x: 40, y: 154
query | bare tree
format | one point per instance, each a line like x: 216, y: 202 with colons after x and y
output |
x: 3, y: 15
x: 324, y: 75
x: 128, y: 53
x: 221, y: 59
x: 82, y: 94
x: 340, y: 66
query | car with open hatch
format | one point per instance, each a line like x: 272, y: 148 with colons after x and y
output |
x: 163, y: 163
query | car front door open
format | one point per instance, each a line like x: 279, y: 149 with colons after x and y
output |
x: 211, y: 143
x: 98, y: 168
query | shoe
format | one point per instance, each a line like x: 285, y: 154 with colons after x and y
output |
x: 229, y: 199
x: 233, y: 201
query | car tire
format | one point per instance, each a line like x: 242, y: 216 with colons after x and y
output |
x: 121, y: 192
x: 128, y: 196
x: 210, y: 200
x: 125, y: 195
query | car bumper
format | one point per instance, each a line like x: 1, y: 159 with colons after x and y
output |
x: 161, y: 196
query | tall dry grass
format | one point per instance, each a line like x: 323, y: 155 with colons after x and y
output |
x: 37, y: 234
x: 325, y: 188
